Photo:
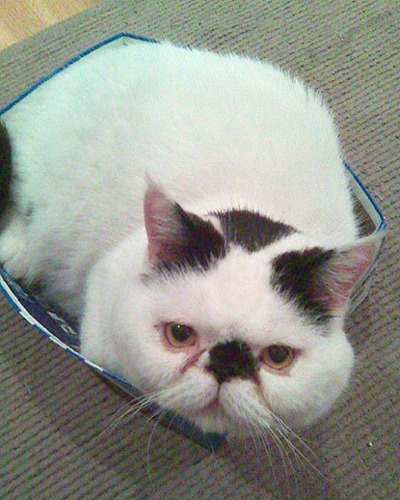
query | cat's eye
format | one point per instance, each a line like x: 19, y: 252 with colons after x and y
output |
x: 179, y: 335
x: 277, y: 357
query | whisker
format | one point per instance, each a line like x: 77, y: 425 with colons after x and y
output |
x: 158, y: 415
x: 284, y: 431
x: 130, y: 409
x: 284, y: 457
x: 173, y: 415
x: 294, y: 435
x: 300, y: 455
x: 252, y: 428
x: 263, y: 436
x: 261, y: 421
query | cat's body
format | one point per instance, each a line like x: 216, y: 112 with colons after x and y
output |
x: 253, y: 159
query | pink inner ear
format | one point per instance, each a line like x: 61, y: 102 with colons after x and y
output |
x: 345, y: 271
x: 160, y: 222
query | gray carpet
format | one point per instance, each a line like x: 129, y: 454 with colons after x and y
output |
x: 54, y: 409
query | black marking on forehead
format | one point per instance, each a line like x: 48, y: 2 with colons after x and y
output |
x: 298, y: 275
x: 251, y: 230
x: 197, y: 246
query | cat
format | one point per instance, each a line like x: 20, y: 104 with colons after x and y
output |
x: 191, y: 211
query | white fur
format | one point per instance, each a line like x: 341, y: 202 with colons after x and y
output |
x: 217, y: 132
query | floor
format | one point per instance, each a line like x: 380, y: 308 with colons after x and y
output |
x: 25, y: 18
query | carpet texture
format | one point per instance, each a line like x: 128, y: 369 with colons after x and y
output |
x: 63, y: 433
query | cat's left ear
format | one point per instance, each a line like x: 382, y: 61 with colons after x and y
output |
x: 322, y: 281
x: 347, y: 268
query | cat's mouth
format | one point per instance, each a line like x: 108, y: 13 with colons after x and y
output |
x: 212, y: 406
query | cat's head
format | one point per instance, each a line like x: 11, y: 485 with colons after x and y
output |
x: 236, y: 321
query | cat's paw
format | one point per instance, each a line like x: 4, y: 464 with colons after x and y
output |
x: 13, y: 249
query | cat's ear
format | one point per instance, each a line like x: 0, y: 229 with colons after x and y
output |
x: 322, y: 281
x: 162, y: 223
x: 175, y: 236
x: 346, y: 268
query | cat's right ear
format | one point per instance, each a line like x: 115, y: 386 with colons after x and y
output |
x: 176, y: 237
x: 162, y: 224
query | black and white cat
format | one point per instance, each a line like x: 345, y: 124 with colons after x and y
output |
x: 192, y: 212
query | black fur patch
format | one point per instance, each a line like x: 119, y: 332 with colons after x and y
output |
x: 251, y: 230
x: 197, y: 246
x: 232, y: 359
x: 298, y: 276
x: 5, y: 169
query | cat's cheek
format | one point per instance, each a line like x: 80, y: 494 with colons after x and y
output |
x: 152, y: 366
x: 283, y: 395
x: 140, y: 355
x: 313, y: 385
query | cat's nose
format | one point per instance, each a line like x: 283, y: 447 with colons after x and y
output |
x: 231, y: 359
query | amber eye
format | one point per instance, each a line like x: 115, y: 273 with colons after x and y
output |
x: 179, y: 335
x: 277, y: 356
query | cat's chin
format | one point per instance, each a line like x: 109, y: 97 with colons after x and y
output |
x: 217, y: 421
x: 213, y: 420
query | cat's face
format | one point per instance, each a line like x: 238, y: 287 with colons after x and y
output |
x: 236, y: 321
x: 225, y: 350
